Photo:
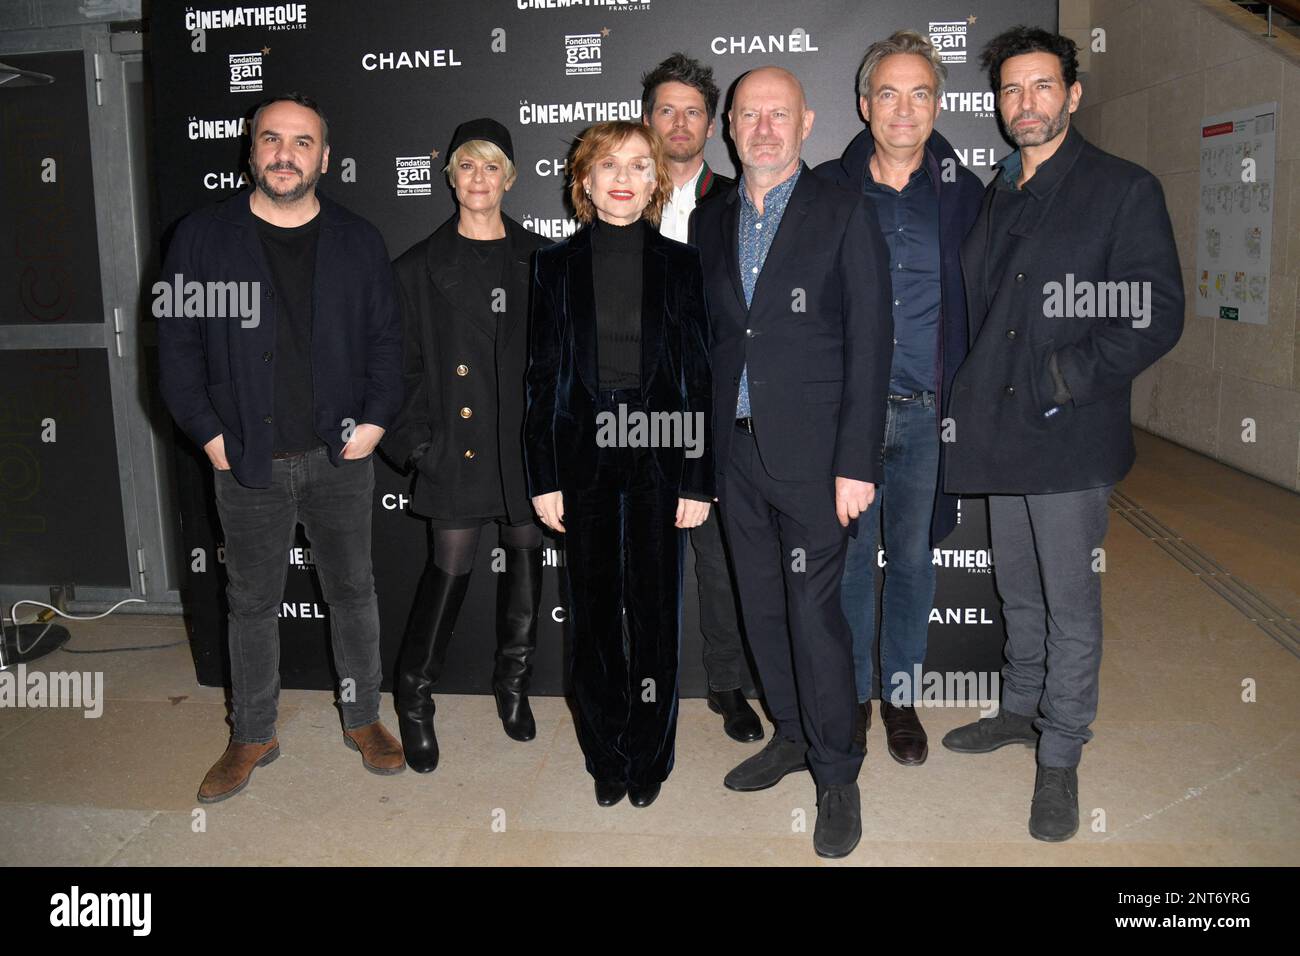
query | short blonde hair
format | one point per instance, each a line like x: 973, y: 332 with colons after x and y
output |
x: 599, y: 141
x: 484, y: 152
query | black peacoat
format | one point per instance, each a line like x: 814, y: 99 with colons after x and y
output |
x: 1089, y: 218
x: 464, y: 382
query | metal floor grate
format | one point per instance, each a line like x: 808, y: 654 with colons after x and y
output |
x: 1272, y: 620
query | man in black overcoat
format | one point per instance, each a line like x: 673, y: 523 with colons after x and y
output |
x: 1073, y: 287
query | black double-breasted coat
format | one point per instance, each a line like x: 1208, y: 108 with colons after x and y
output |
x: 464, y: 380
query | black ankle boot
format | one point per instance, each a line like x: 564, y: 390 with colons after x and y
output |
x: 424, y: 648
x: 518, y: 595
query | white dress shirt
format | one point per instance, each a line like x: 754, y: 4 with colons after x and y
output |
x: 677, y: 211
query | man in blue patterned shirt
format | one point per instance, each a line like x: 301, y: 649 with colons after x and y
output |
x: 797, y: 281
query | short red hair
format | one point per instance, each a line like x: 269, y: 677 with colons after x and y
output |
x: 602, y: 139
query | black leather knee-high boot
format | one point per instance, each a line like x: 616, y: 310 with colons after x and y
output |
x: 424, y: 648
x: 518, y: 595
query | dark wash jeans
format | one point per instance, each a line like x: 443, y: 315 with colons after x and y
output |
x: 335, y: 506
x: 911, y: 457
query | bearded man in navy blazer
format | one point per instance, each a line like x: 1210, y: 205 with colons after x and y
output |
x: 797, y: 281
x: 288, y: 406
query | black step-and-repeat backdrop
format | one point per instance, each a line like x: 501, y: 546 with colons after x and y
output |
x: 395, y: 77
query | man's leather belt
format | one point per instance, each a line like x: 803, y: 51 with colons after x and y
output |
x: 914, y: 397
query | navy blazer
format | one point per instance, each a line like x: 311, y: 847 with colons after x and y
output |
x: 562, y: 380
x: 818, y: 338
x: 960, y: 192
x: 217, y: 374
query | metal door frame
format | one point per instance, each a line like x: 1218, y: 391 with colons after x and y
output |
x: 121, y: 217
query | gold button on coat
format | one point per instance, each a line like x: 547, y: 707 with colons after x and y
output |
x: 466, y: 412
x: 462, y: 370
x: 469, y: 452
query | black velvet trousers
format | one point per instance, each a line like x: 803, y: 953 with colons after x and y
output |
x: 623, y: 553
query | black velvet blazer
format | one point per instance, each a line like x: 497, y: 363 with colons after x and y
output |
x: 560, y: 422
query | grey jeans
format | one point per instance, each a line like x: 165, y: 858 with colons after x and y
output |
x: 335, y: 506
x: 1045, y: 548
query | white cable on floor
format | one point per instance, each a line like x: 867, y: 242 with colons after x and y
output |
x: 18, y: 637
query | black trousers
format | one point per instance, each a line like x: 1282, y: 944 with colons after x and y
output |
x: 624, y: 553
x: 719, y: 618
x: 789, y: 550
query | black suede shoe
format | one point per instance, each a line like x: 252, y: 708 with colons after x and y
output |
x: 1054, y: 813
x: 738, y: 718
x: 643, y: 796
x: 908, y: 743
x: 839, y: 820
x: 609, y: 793
x: 861, y: 724
x: 990, y: 733
x: 767, y: 767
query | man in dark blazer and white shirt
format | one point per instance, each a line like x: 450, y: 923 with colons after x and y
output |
x: 1073, y: 287
x: 797, y: 281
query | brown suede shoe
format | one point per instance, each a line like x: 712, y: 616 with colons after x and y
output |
x: 380, y: 751
x: 230, y: 774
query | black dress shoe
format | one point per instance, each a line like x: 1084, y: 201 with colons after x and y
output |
x: 643, y: 796
x: 839, y: 820
x: 990, y: 733
x: 1054, y: 813
x: 609, y: 793
x: 908, y: 743
x: 738, y: 718
x: 767, y: 767
x: 861, y: 724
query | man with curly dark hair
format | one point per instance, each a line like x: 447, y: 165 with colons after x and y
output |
x: 1073, y: 288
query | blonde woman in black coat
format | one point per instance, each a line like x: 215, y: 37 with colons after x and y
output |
x: 464, y: 293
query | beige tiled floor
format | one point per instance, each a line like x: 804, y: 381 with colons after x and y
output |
x: 1181, y: 771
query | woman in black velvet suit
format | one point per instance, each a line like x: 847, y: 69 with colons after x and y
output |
x: 617, y: 446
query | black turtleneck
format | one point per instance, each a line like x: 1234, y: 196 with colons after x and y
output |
x: 616, y: 265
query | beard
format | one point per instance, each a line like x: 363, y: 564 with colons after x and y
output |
x: 1049, y: 129
x: 304, y: 186
x: 681, y: 152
